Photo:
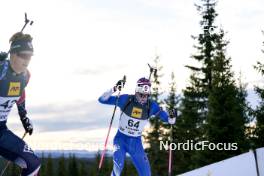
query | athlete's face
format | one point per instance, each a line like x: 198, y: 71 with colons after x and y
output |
x: 20, y: 61
x: 141, y: 98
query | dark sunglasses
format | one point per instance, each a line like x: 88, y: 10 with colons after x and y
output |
x: 24, y: 56
x: 143, y: 95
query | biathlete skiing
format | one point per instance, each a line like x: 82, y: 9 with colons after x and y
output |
x: 136, y: 110
x: 14, y: 77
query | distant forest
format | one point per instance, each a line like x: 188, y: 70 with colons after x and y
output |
x: 71, y: 166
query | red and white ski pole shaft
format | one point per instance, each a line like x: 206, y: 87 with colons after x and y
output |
x: 109, y: 129
x: 170, y: 153
x: 171, y: 140
x: 108, y: 133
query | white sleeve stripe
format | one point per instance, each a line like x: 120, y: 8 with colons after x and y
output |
x: 107, y: 95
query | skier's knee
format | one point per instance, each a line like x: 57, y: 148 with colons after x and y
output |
x: 33, y: 167
x: 35, y: 172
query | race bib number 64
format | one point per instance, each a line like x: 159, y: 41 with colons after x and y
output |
x: 131, y: 126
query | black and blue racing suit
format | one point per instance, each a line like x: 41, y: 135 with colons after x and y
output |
x: 13, y: 148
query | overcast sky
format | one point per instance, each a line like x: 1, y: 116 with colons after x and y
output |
x: 83, y: 47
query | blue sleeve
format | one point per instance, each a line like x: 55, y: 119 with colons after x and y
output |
x: 158, y: 111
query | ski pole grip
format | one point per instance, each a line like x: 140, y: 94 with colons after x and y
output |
x: 123, y: 82
x: 150, y: 69
x: 124, y: 79
x: 26, y: 19
x: 120, y: 84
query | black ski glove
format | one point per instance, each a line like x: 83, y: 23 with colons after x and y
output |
x: 173, y: 114
x: 3, y: 56
x: 119, y: 85
x: 27, y: 125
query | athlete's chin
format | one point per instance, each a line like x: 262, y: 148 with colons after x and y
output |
x: 24, y: 68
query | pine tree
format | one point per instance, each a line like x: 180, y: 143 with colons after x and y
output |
x: 205, y: 47
x: 106, y: 167
x: 213, y: 108
x: 125, y: 169
x: 246, y: 110
x: 173, y: 99
x: 96, y: 163
x: 43, y: 165
x: 194, y: 104
x: 259, y: 111
x: 50, y: 167
x: 83, y: 169
x: 226, y: 107
x: 62, y: 168
x: 129, y: 168
x: 189, y: 125
x: 73, y: 166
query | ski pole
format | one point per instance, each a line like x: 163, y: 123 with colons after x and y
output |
x: 4, y: 55
x: 26, y: 22
x: 110, y: 126
x: 170, y: 152
x: 151, y: 70
x: 9, y: 162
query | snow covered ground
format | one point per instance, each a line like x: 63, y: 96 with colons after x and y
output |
x: 245, y: 164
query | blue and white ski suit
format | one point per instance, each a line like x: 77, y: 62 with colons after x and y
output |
x: 134, y: 116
